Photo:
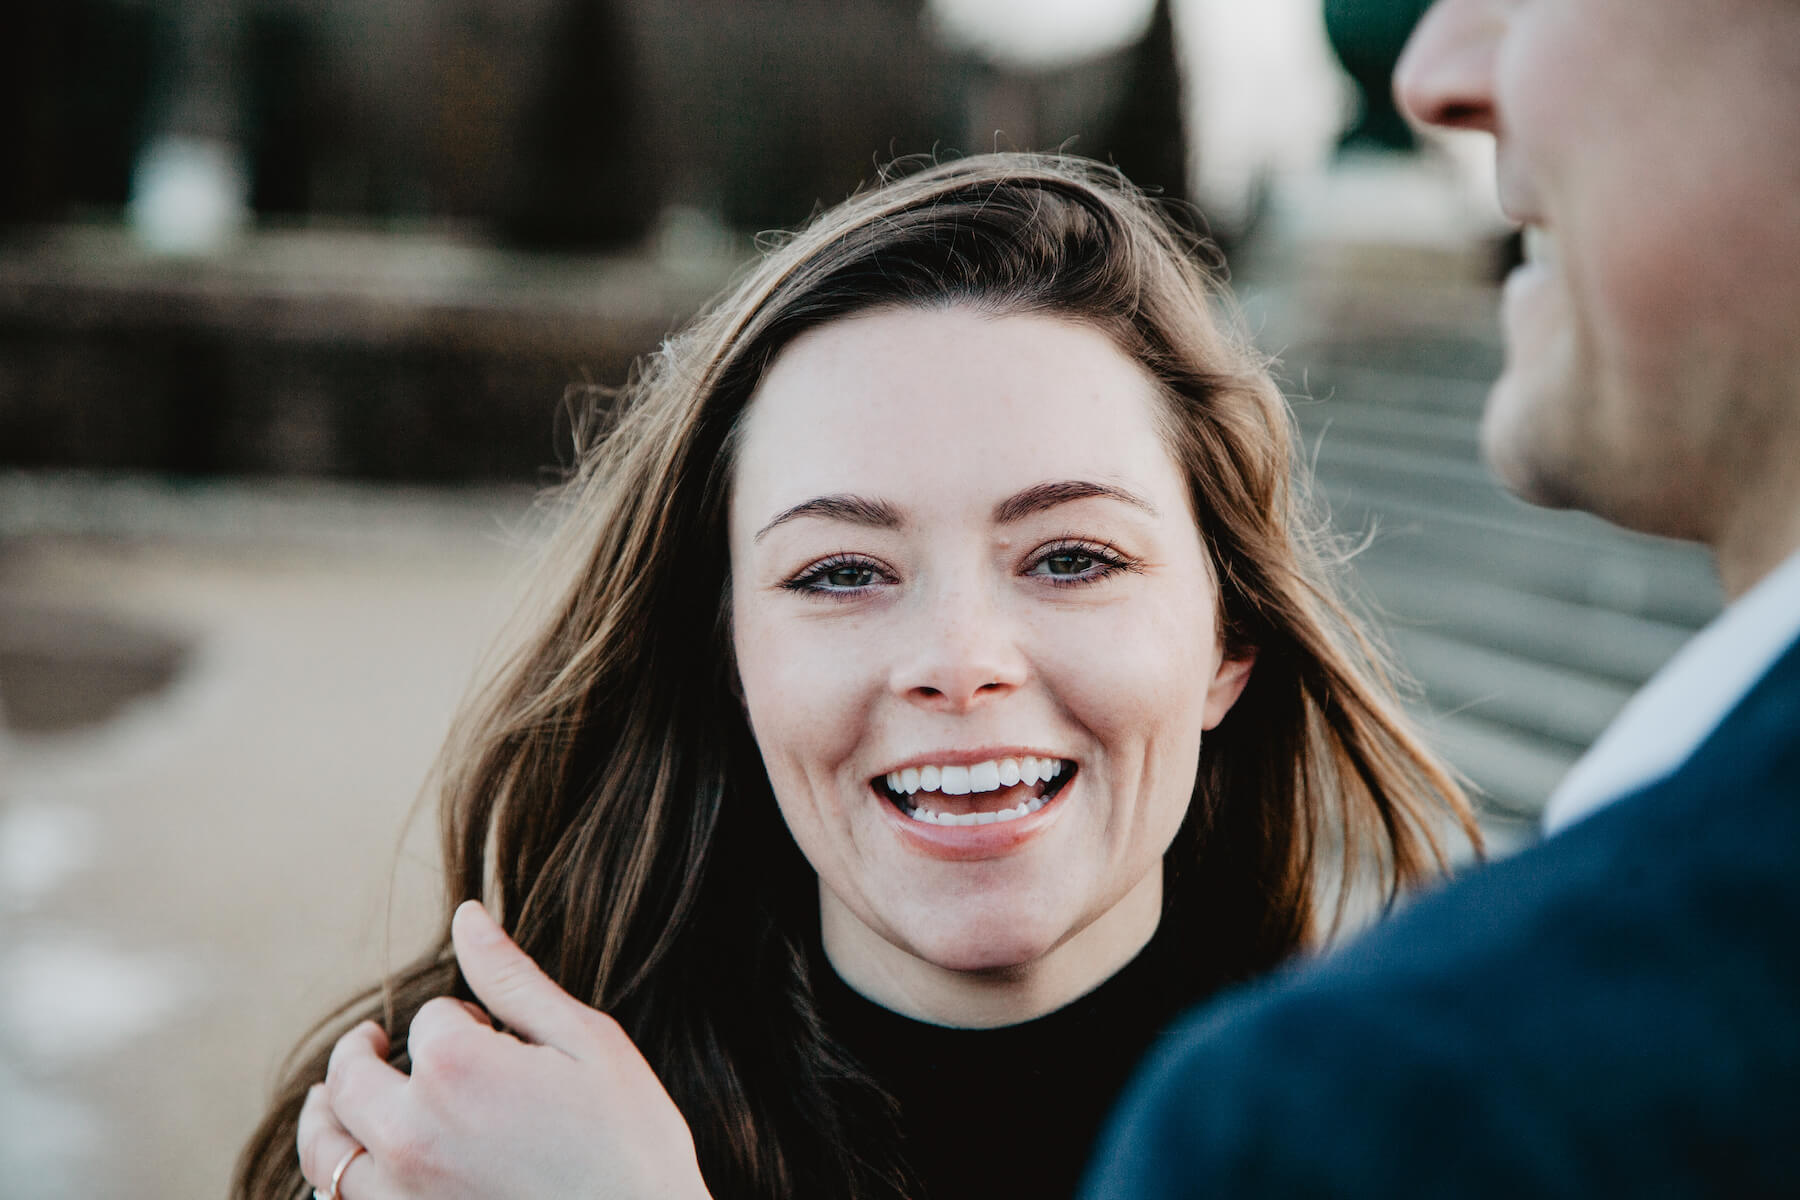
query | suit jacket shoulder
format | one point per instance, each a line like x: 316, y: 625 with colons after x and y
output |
x: 1615, y: 1011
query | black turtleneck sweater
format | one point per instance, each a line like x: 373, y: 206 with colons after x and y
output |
x: 1014, y: 1111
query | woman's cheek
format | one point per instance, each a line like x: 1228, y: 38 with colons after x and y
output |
x: 801, y: 694
x: 1133, y: 668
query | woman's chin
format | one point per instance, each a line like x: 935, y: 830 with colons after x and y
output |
x: 988, y: 946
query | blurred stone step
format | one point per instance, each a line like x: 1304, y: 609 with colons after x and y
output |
x: 1619, y: 647
x: 1514, y: 771
x: 1396, y: 388
x: 1335, y: 421
x: 1540, y: 699
x: 1370, y: 337
x: 1395, y: 469
x: 1564, y: 556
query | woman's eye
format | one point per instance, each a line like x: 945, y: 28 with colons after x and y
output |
x: 1069, y: 562
x: 1079, y: 564
x: 834, y: 576
x: 849, y: 576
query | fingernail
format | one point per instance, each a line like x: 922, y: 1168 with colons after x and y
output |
x: 483, y: 924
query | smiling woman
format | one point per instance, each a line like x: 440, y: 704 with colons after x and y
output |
x: 856, y: 772
x: 1021, y: 614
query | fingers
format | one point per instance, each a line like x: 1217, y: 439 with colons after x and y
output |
x: 365, y: 1102
x: 324, y: 1145
x: 359, y: 1083
x: 320, y: 1140
x: 439, y: 1020
x: 515, y: 989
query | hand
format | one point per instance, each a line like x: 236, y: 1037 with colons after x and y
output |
x: 568, y: 1107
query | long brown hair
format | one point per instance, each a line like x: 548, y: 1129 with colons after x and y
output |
x: 605, y: 795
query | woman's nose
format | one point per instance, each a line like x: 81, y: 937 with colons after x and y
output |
x: 1446, y: 74
x: 964, y: 654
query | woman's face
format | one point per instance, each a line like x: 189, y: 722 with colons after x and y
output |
x: 962, y: 557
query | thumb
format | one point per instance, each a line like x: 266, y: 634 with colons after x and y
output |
x: 512, y: 987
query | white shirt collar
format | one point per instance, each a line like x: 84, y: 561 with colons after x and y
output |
x: 1670, y: 716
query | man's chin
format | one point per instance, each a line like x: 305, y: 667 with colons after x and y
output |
x: 1524, y: 442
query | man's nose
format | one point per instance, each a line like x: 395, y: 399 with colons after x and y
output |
x: 964, y: 653
x: 1446, y: 74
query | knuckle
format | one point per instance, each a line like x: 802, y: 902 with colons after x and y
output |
x: 341, y: 1054
x: 450, y: 1066
x: 436, y: 1008
x: 310, y: 1108
x: 454, y: 1062
x: 408, y: 1156
x: 428, y: 1025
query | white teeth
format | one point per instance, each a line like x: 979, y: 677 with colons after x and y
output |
x: 981, y: 777
x: 1024, y: 809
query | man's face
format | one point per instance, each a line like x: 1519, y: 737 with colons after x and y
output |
x: 1651, y: 148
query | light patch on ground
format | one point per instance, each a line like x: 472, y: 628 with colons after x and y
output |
x: 70, y: 996
x: 46, y: 1138
x: 41, y: 845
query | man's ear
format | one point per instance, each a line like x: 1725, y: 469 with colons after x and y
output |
x: 1227, y: 685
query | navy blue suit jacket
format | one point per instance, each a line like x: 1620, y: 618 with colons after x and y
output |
x: 1614, y: 1012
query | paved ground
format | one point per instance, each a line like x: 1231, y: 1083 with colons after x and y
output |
x: 188, y: 883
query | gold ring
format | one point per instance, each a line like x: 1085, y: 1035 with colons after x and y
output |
x: 337, y: 1176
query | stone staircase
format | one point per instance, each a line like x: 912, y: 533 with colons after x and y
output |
x: 1526, y: 629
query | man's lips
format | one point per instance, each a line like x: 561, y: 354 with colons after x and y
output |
x: 1540, y: 246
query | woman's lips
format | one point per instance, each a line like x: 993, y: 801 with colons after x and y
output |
x: 982, y: 825
x: 999, y: 788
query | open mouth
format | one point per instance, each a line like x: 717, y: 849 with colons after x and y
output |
x: 984, y: 793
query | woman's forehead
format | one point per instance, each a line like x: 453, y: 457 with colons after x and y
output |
x: 949, y: 403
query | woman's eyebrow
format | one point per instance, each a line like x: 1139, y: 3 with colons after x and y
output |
x: 1038, y: 497
x: 855, y: 509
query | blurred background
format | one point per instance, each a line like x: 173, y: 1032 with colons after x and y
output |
x: 290, y: 294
